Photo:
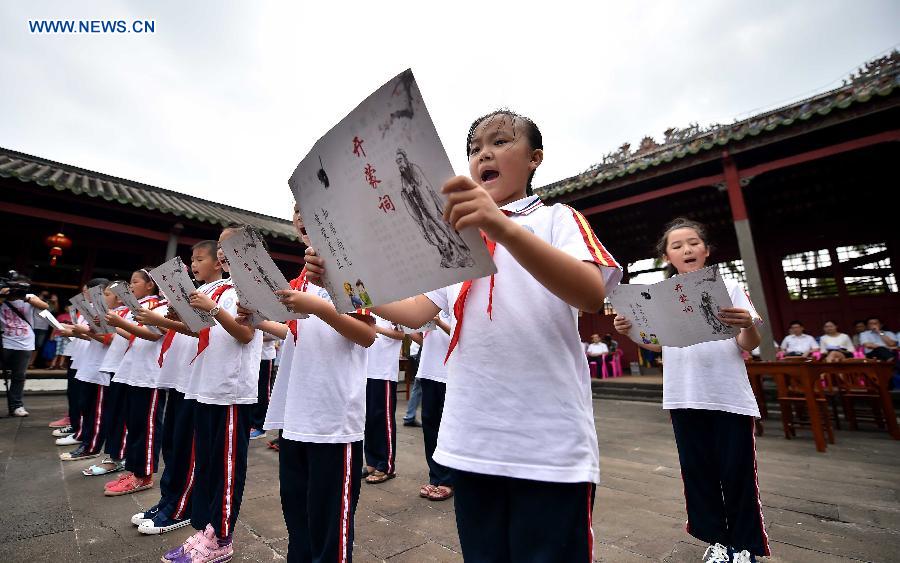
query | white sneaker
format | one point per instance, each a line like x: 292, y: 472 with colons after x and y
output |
x: 743, y: 557
x: 63, y: 432
x: 68, y: 441
x: 20, y: 411
x: 716, y: 553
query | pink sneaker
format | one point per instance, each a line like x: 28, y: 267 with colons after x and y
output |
x: 114, y: 482
x: 208, y: 549
x: 128, y: 486
x: 60, y: 423
x: 184, y: 549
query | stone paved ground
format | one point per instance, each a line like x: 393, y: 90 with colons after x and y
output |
x: 839, y: 506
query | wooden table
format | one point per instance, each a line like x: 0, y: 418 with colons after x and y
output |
x: 807, y: 374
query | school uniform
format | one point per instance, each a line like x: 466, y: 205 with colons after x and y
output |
x: 518, y: 428
x: 179, y: 449
x: 319, y: 403
x: 145, y: 402
x: 114, y: 418
x: 91, y: 394
x: 266, y: 377
x: 708, y: 395
x: 432, y: 377
x: 223, y: 385
x: 382, y: 375
x: 73, y: 389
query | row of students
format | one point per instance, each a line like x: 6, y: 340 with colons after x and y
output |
x: 523, y: 486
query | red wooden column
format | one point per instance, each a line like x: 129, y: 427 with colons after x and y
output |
x: 748, y: 253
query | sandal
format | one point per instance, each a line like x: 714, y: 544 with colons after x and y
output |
x: 377, y: 477
x: 102, y: 468
x: 441, y: 492
x: 426, y: 490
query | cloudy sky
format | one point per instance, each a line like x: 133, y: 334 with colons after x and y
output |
x: 224, y: 98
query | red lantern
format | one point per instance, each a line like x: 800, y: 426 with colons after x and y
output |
x: 57, y: 244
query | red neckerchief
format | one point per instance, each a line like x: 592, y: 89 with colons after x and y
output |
x: 460, y: 305
x: 121, y: 311
x: 300, y: 283
x: 203, y: 337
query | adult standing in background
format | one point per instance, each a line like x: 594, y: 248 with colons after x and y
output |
x: 18, y: 342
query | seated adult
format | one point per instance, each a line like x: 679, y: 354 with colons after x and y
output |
x: 610, y: 343
x: 835, y: 346
x: 859, y: 327
x: 879, y: 344
x: 596, y: 349
x: 796, y: 343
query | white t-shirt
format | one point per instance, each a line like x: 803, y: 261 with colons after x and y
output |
x: 39, y: 322
x: 79, y: 345
x: 597, y: 349
x: 384, y: 354
x: 518, y: 398
x: 840, y: 341
x: 434, y: 350
x: 176, y: 369
x: 710, y: 375
x: 799, y: 344
x: 89, y: 370
x: 227, y: 371
x: 321, y: 399
x: 140, y: 365
x: 117, y: 348
x: 17, y: 333
x: 268, y: 349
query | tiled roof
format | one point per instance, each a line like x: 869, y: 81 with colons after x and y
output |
x: 879, y: 77
x: 63, y: 177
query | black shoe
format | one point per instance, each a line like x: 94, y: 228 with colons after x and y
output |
x: 415, y: 423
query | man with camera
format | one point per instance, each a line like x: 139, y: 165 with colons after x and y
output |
x: 16, y: 336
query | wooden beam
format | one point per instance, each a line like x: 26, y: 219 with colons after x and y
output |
x: 57, y: 216
x: 855, y: 144
x: 655, y: 194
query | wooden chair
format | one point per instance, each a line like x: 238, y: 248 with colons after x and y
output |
x: 855, y: 381
x: 792, y: 400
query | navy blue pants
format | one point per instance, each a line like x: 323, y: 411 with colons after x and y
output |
x: 319, y: 493
x: 222, y: 437
x: 264, y: 391
x: 74, y: 396
x: 115, y: 419
x: 433, y: 393
x: 177, y: 482
x: 380, y: 443
x: 717, y: 451
x: 92, y: 403
x: 145, y: 408
x: 502, y: 519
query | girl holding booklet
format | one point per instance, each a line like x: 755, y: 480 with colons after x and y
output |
x: 713, y: 409
x: 144, y: 402
x: 319, y: 406
x: 523, y: 485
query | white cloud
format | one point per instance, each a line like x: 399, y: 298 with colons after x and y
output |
x: 224, y: 99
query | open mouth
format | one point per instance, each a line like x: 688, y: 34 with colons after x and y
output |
x: 489, y: 176
x: 690, y: 260
x: 303, y: 231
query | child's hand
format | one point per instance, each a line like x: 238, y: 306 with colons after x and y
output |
x: 172, y: 314
x: 244, y: 315
x: 202, y: 301
x: 300, y: 301
x: 622, y: 325
x: 78, y: 329
x: 315, y: 266
x: 469, y: 205
x: 736, y: 317
x: 113, y: 319
x: 147, y: 317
